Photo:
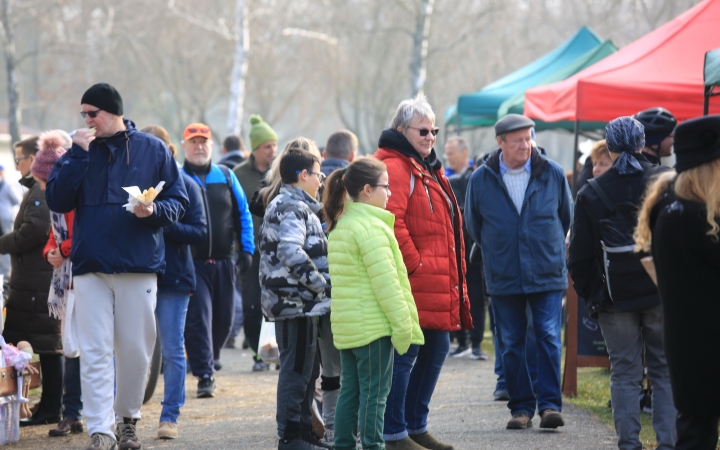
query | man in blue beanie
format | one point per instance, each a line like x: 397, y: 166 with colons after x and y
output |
x: 609, y: 275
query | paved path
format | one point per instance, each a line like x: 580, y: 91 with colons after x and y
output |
x: 242, y: 416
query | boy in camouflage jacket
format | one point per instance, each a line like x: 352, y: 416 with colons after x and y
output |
x: 295, y: 286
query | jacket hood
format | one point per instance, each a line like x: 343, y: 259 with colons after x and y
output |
x: 538, y: 163
x: 397, y: 141
x: 121, y: 139
x: 27, y: 181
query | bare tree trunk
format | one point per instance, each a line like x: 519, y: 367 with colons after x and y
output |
x: 239, y: 70
x: 418, y: 64
x: 8, y: 38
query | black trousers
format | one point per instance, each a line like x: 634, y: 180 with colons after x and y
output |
x: 252, y: 309
x: 53, y: 369
x: 478, y: 306
x: 697, y: 432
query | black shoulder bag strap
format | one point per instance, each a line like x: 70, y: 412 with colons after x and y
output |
x: 603, y: 196
x: 236, y: 208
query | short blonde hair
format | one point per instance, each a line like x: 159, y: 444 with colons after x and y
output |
x: 599, y: 150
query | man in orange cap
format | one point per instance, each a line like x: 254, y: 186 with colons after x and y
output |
x: 211, y: 307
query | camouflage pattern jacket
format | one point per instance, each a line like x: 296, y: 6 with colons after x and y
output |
x: 294, y: 272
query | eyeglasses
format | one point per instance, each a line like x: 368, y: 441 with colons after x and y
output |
x: 92, y: 114
x: 197, y: 130
x: 17, y: 160
x: 424, y: 131
x: 320, y: 175
x: 384, y: 186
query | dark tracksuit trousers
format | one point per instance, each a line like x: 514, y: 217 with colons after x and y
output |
x: 299, y: 368
x: 478, y: 304
x: 210, y: 313
x: 252, y: 309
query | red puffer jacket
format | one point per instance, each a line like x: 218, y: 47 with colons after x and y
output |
x: 432, y: 247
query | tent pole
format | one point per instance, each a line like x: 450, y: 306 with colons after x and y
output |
x: 706, y: 106
x: 457, y: 123
x: 576, y: 157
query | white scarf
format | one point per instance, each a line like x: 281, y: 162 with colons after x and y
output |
x: 62, y: 276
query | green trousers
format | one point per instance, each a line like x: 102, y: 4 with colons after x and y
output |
x: 366, y: 380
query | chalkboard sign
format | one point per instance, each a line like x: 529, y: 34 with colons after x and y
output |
x: 590, y: 341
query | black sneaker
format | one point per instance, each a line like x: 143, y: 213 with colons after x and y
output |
x: 230, y: 343
x: 260, y: 366
x: 206, y: 387
x: 296, y: 444
x: 218, y: 365
x: 312, y: 439
x: 460, y: 351
x: 478, y: 354
x: 127, y: 434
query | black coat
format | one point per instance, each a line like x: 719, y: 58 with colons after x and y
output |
x: 585, y: 255
x: 687, y: 262
x: 27, y: 308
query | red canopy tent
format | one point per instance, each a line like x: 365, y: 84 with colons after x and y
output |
x: 663, y: 68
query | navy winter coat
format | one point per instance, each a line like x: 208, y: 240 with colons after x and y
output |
x: 522, y: 253
x: 190, y: 230
x: 107, y: 238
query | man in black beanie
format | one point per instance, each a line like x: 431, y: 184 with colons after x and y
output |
x: 116, y: 259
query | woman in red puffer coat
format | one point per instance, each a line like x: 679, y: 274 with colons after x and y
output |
x: 428, y: 227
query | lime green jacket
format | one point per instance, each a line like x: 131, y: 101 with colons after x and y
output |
x: 371, y: 295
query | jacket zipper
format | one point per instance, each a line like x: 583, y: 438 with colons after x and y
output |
x: 427, y: 192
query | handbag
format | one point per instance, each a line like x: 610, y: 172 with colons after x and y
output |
x: 69, y: 328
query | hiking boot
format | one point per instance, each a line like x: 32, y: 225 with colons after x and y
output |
x: 127, y: 434
x: 501, y: 395
x: 460, y: 351
x: 206, y: 387
x: 478, y: 354
x: 519, y: 421
x: 230, y: 343
x: 66, y: 427
x: 427, y: 440
x: 167, y: 430
x: 260, y: 366
x: 297, y: 444
x: 100, y: 441
x: 404, y: 444
x: 551, y: 419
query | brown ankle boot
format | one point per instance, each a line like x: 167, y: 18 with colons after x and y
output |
x: 403, y: 444
x: 428, y: 441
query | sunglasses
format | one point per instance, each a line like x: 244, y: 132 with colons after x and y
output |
x: 197, y: 130
x: 17, y: 160
x: 92, y: 114
x: 320, y: 175
x: 424, y: 131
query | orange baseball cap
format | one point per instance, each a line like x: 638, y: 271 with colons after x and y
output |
x: 195, y: 130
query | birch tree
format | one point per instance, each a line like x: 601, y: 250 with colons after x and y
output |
x: 240, y: 67
x: 7, y: 36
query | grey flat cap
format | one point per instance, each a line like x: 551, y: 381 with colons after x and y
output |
x: 512, y: 122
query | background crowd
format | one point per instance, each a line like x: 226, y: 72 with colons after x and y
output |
x: 363, y: 262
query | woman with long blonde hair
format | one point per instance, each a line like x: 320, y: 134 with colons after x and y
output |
x: 680, y: 224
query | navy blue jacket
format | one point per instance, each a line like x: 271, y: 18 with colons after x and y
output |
x: 106, y: 237
x: 522, y: 253
x: 190, y: 230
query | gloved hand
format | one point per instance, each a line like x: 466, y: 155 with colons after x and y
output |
x: 244, y: 261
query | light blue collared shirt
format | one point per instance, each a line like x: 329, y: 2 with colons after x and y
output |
x: 504, y: 168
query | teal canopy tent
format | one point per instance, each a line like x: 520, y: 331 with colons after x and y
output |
x: 481, y: 108
x: 711, y: 76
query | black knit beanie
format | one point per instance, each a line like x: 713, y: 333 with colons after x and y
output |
x: 105, y: 97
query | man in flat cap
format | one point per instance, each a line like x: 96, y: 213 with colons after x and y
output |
x: 117, y: 256
x: 518, y: 206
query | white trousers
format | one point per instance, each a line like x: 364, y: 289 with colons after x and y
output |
x: 114, y: 313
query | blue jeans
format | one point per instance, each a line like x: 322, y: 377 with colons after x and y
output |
x: 530, y: 352
x: 415, y: 375
x: 72, y: 399
x: 171, y: 311
x: 626, y: 335
x: 511, y: 319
